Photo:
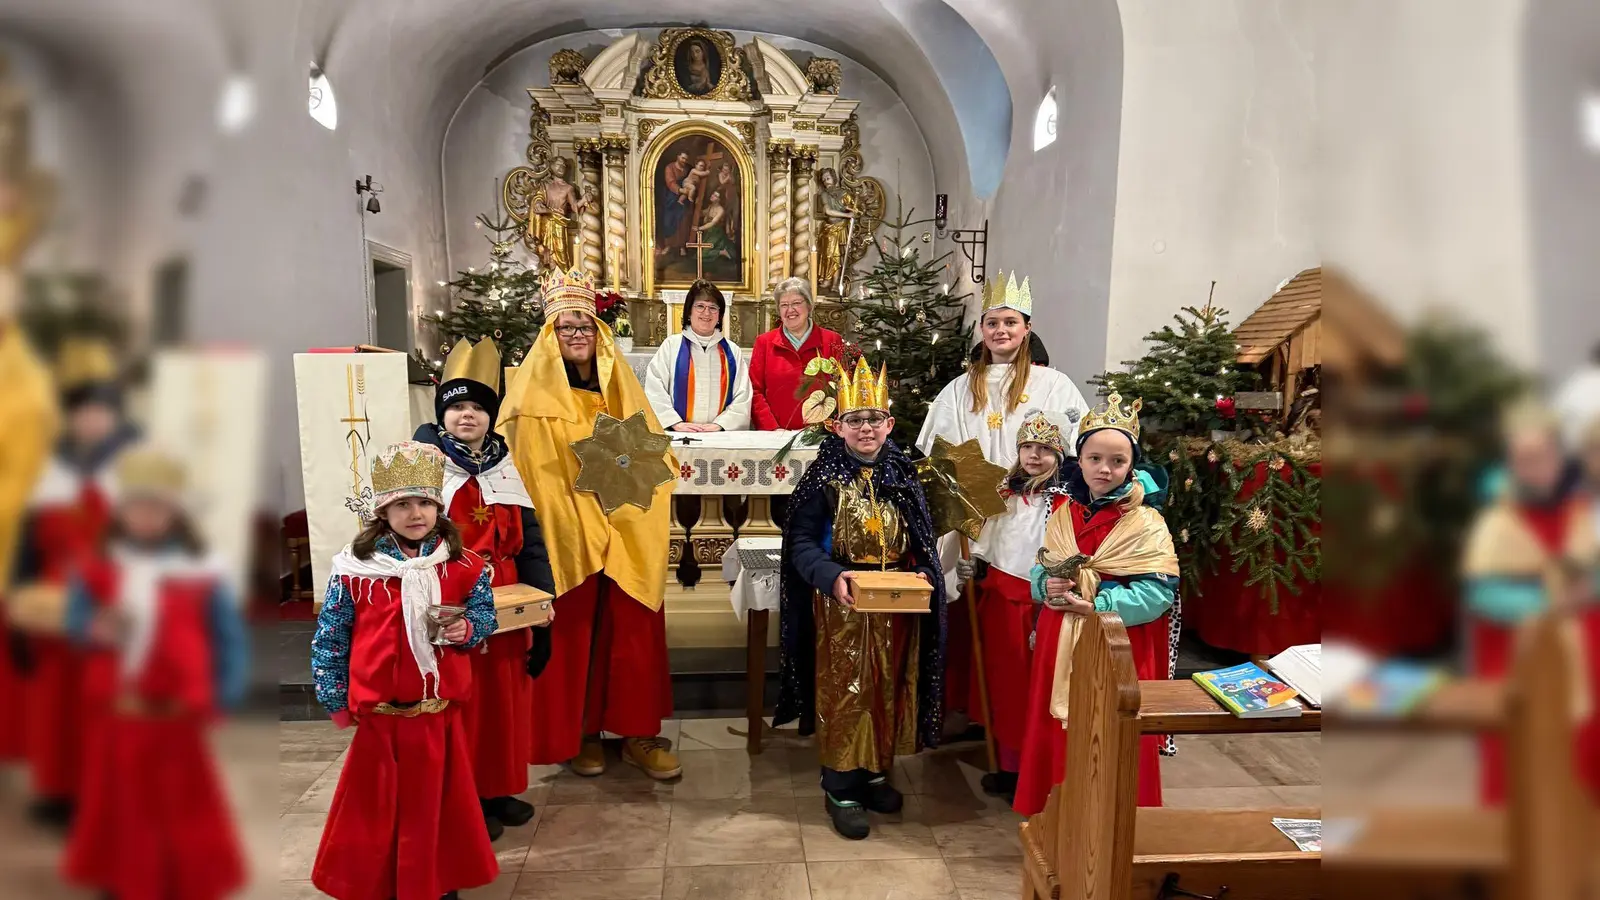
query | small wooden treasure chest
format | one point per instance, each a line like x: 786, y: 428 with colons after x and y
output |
x: 892, y: 592
x: 522, y: 606
x: 38, y: 608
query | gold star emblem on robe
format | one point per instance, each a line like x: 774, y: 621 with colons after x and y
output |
x: 480, y: 514
x: 995, y: 421
x: 622, y: 462
x: 962, y: 487
x: 873, y: 525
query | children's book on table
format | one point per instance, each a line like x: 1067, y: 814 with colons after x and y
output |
x: 1250, y: 692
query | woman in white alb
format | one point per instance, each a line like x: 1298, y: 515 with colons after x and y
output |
x: 988, y: 403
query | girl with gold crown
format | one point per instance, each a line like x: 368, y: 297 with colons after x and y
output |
x: 1001, y: 568
x: 406, y: 606
x: 68, y: 514
x: 608, y: 660
x: 484, y: 496
x: 1532, y: 551
x: 167, y: 650
x: 868, y: 684
x: 987, y: 403
x: 1106, y: 549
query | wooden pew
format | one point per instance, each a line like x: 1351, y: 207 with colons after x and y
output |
x: 1092, y: 842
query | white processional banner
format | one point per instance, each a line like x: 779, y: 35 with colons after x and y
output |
x: 351, y: 406
x: 211, y: 406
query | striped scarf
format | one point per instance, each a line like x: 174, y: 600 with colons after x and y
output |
x: 683, y: 379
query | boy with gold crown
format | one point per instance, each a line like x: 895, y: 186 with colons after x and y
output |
x: 68, y: 515
x: 608, y: 659
x: 406, y: 607
x: 868, y: 684
x: 1109, y: 524
x: 486, y: 499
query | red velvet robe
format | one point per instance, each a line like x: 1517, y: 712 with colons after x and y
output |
x: 1005, y: 618
x: 1492, y: 650
x: 153, y: 823
x: 405, y: 821
x: 1044, y: 751
x: 55, y: 720
x: 499, y: 716
x: 608, y: 672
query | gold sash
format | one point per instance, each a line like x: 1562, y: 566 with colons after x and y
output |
x: 28, y: 398
x: 1139, y: 544
x: 1502, y: 546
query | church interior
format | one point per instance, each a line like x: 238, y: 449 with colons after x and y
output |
x: 253, y: 202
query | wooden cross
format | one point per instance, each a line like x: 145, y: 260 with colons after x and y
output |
x: 354, y: 437
x: 698, y: 245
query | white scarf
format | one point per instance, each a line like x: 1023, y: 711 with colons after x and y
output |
x: 500, y: 484
x: 140, y: 576
x: 419, y: 590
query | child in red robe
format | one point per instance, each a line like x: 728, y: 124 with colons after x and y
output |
x: 1104, y: 487
x: 67, y: 517
x: 405, y: 821
x: 1002, y: 564
x: 1521, y: 560
x: 171, y: 651
x: 485, y: 497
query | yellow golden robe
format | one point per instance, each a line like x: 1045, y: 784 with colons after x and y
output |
x: 28, y: 403
x: 540, y: 419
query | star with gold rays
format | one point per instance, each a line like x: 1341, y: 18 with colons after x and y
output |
x: 963, y: 488
x: 480, y: 514
x: 622, y: 462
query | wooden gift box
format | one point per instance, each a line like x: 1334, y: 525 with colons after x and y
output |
x: 522, y: 606
x: 38, y: 608
x: 892, y: 592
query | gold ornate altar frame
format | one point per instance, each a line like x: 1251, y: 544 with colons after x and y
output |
x: 750, y: 183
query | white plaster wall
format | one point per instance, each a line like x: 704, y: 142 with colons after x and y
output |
x: 489, y: 135
x: 1217, y: 175
x: 1424, y: 200
x: 1051, y: 218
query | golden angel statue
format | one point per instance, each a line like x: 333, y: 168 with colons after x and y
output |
x: 840, y: 207
x: 556, y: 205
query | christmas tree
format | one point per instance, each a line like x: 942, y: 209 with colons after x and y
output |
x: 503, y: 301
x: 1187, y: 383
x: 906, y: 318
x: 1188, y: 378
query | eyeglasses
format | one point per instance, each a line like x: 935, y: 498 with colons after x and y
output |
x: 869, y: 421
x: 706, y: 306
x: 577, y: 330
x: 798, y: 304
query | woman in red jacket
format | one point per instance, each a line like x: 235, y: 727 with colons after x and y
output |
x: 779, y: 359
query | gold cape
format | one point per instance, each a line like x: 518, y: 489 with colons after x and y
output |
x: 29, y: 404
x: 1501, y: 546
x: 1139, y: 544
x: 540, y: 419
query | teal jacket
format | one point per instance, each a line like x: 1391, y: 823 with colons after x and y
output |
x: 1140, y: 599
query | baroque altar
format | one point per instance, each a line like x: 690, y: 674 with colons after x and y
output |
x: 690, y: 155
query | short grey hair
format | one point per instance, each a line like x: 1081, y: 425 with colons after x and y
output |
x: 793, y: 286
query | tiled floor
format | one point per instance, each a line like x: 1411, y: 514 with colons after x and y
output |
x: 736, y: 826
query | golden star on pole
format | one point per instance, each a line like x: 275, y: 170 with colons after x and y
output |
x: 963, y: 488
x: 622, y: 462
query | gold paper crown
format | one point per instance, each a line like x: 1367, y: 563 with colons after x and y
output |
x: 149, y: 470
x: 1112, y: 414
x: 1039, y: 428
x: 408, y: 469
x: 84, y: 360
x: 1002, y: 292
x: 572, y: 291
x: 863, y: 391
x: 479, y: 363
